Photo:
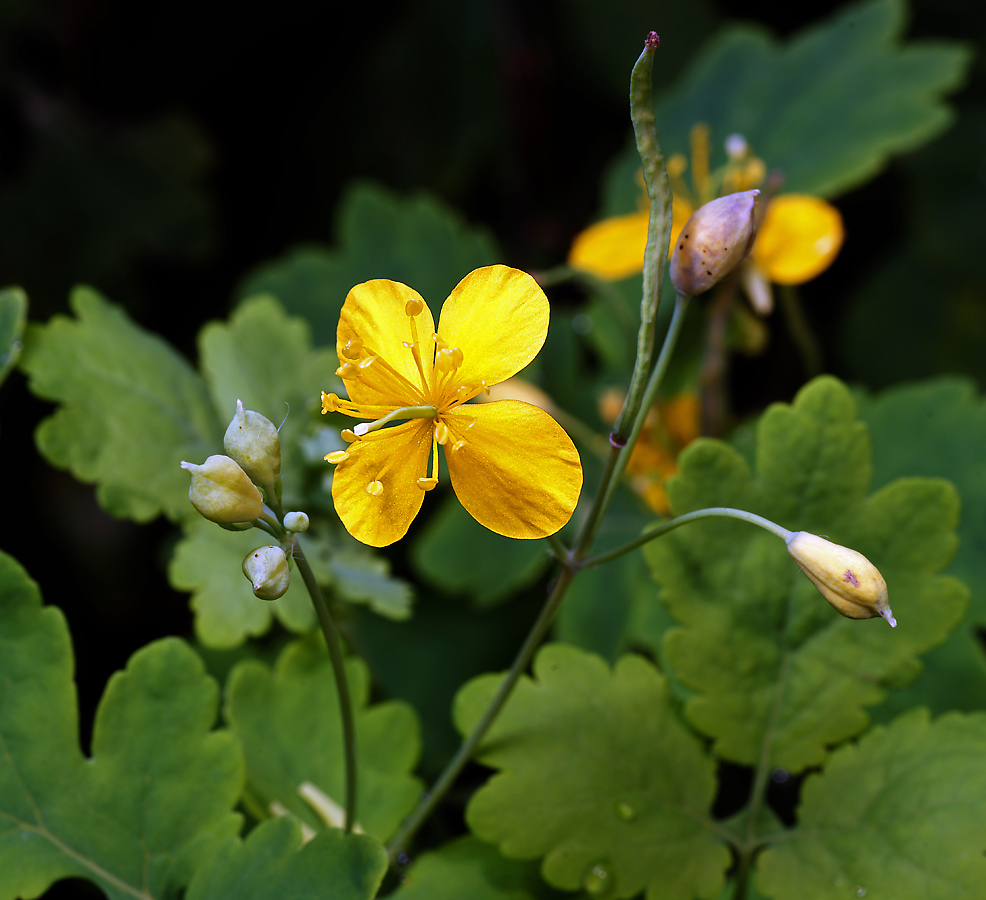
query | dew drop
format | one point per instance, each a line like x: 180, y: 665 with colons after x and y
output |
x: 598, y: 880
x: 626, y: 811
x: 860, y: 891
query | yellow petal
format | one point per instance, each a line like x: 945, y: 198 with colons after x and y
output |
x: 613, y: 249
x: 515, y: 471
x: 498, y: 318
x: 389, y: 462
x: 798, y: 238
x: 374, y: 314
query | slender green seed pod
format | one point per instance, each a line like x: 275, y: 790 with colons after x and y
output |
x: 266, y: 568
x: 251, y: 439
x: 222, y: 492
x: 713, y: 242
x: 847, y: 579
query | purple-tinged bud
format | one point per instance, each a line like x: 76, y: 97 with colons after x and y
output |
x: 266, y: 568
x: 252, y: 441
x: 222, y: 492
x: 713, y: 242
x: 847, y: 579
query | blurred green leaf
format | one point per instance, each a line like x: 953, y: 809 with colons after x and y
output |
x: 413, y: 240
x: 289, y: 725
x: 466, y: 869
x: 272, y: 863
x: 777, y: 674
x: 155, y: 798
x: 13, y: 318
x: 207, y: 562
x: 599, y: 776
x: 458, y: 555
x: 939, y: 428
x: 131, y: 408
x: 898, y: 815
x: 264, y: 358
x: 827, y: 108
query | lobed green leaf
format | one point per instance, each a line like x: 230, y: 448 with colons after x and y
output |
x: 288, y: 722
x: 774, y: 674
x: 155, y: 798
x: 598, y: 775
x: 131, y: 408
x: 898, y: 815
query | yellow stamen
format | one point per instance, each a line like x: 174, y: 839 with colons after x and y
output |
x: 348, y: 371
x: 348, y: 435
x: 441, y: 432
x: 330, y: 403
x: 352, y: 348
x: 427, y: 484
x: 374, y: 488
x: 336, y: 456
x: 414, y: 307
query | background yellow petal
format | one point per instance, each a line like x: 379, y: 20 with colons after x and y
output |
x: 374, y: 314
x: 498, y: 317
x: 612, y: 249
x: 798, y: 238
x: 395, y: 457
x: 517, y: 472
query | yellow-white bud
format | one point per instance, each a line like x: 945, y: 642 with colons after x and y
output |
x: 266, y: 568
x: 251, y: 439
x: 713, y: 242
x: 296, y: 522
x: 222, y: 492
x: 847, y: 579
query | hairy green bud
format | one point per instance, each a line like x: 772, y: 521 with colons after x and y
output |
x: 251, y: 439
x: 713, y: 242
x: 222, y: 492
x: 266, y: 568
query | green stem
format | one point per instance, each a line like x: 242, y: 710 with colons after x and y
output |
x: 465, y: 752
x: 711, y: 512
x: 334, y: 645
x: 658, y: 228
x: 800, y: 330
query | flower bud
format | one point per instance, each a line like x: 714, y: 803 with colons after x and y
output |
x: 713, y: 242
x: 847, y: 579
x: 222, y: 492
x: 296, y: 522
x: 266, y: 568
x: 252, y: 441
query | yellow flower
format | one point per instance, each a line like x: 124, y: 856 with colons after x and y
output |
x: 798, y: 236
x: 513, y: 468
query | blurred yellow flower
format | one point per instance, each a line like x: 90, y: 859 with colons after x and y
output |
x: 513, y: 468
x: 798, y: 236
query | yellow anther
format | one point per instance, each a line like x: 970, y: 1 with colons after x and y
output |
x: 348, y: 435
x: 676, y: 165
x: 336, y: 456
x: 414, y: 307
x: 458, y: 445
x: 457, y: 357
x: 445, y: 361
x: 441, y: 432
x: 348, y: 371
x: 366, y: 363
x: 374, y: 488
x: 352, y: 348
x: 330, y: 403
x: 463, y: 393
x: 427, y: 484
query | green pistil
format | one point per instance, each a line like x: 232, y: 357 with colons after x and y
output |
x: 405, y: 412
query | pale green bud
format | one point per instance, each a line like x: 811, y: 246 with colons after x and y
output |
x: 713, y: 242
x: 252, y: 441
x: 847, y: 579
x: 266, y: 568
x: 296, y: 522
x: 222, y: 492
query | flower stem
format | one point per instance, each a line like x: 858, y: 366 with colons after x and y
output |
x: 334, y: 646
x: 465, y: 752
x: 658, y: 227
x: 656, y: 532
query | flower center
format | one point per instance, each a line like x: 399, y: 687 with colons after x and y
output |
x: 439, y: 391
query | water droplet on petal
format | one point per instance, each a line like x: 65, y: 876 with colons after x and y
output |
x: 374, y: 488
